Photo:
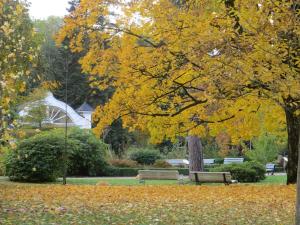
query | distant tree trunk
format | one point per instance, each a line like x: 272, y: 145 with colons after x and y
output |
x: 293, y: 130
x: 195, y: 150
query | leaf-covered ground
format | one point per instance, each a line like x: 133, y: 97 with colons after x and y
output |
x: 235, y: 204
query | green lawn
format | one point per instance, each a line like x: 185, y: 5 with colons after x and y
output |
x: 133, y: 181
x: 274, y: 180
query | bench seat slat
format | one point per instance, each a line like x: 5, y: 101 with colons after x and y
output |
x: 158, y: 174
x: 211, y: 177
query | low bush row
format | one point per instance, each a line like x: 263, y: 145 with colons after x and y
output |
x: 245, y: 172
x: 127, y: 172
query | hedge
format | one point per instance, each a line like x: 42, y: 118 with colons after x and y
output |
x: 113, y: 171
x: 245, y: 172
x: 129, y: 172
x: 145, y: 156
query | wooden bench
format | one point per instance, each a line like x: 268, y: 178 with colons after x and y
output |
x: 211, y: 177
x: 158, y: 175
x: 270, y: 168
x: 233, y: 160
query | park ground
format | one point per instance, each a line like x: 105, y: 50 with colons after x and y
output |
x: 125, y: 201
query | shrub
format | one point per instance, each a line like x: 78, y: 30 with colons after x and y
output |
x: 112, y: 171
x: 37, y: 159
x: 3, y: 154
x: 162, y: 164
x: 145, y: 156
x: 219, y: 160
x: 40, y: 158
x: 265, y: 149
x: 89, y: 157
x: 245, y: 172
x: 123, y: 163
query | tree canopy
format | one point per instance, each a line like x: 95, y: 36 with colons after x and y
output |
x: 194, y: 67
x: 17, y: 58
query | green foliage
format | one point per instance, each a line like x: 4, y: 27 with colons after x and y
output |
x: 36, y: 115
x: 219, y: 160
x: 145, y: 156
x: 53, y: 62
x: 3, y: 154
x: 162, y: 164
x: 123, y: 163
x: 41, y: 157
x: 210, y: 147
x: 265, y: 149
x: 245, y: 172
x: 112, y: 171
x: 118, y: 138
x: 178, y: 151
x: 89, y: 156
x: 37, y: 159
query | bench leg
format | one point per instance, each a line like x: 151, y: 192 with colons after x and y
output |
x: 197, y: 179
x: 224, y: 179
x: 142, y: 181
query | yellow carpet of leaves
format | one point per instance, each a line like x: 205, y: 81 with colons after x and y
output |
x: 235, y: 204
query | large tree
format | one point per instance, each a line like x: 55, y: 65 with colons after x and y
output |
x: 187, y: 69
x: 18, y: 51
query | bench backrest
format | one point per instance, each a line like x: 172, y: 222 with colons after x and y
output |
x: 211, y: 177
x: 209, y: 161
x: 233, y: 160
x: 158, y: 174
x: 270, y: 167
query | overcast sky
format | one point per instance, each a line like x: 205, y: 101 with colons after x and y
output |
x: 41, y: 9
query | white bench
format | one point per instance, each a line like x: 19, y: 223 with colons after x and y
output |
x: 178, y: 162
x: 158, y: 175
x: 209, y: 161
x: 211, y: 177
x: 270, y: 168
x: 233, y: 160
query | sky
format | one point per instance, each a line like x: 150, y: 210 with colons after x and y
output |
x: 41, y: 9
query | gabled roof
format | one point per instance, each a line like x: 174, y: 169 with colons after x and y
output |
x: 85, y: 107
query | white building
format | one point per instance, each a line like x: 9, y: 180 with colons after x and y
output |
x: 58, y: 110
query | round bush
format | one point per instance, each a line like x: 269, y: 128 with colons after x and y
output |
x: 41, y: 158
x: 245, y: 172
x: 89, y: 156
x: 37, y: 159
x: 145, y: 157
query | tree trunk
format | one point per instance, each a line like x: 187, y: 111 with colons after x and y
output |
x: 293, y: 129
x: 297, y: 219
x: 195, y: 150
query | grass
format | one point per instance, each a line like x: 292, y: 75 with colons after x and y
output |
x: 274, y: 180
x: 135, y: 182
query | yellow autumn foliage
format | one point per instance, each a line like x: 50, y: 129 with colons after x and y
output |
x: 18, y: 53
x: 187, y: 69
